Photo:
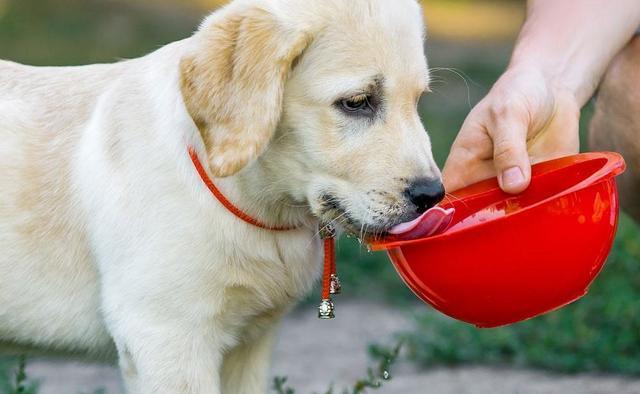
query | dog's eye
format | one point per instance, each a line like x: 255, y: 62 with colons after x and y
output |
x: 360, y: 103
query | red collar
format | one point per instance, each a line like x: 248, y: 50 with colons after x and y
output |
x: 330, y: 281
x: 224, y: 201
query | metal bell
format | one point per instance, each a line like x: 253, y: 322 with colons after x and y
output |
x: 326, y: 308
x: 334, y: 286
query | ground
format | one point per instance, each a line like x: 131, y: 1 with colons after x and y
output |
x: 343, y: 341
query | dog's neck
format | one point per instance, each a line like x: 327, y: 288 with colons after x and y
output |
x: 260, y: 193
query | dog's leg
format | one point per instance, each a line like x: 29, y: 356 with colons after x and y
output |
x: 171, y: 360
x: 246, y: 367
x: 162, y: 350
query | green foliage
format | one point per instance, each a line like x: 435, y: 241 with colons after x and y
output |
x: 374, y: 380
x: 601, y: 332
x: 98, y: 391
x: 13, y: 377
x: 369, y: 275
x: 71, y: 32
x: 280, y: 385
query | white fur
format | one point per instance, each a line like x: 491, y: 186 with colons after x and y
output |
x: 109, y: 236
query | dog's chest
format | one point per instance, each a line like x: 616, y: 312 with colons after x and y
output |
x: 266, y: 280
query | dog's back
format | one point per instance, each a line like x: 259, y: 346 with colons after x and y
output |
x: 45, y: 264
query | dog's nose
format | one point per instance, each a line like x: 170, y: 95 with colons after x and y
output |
x: 424, y: 193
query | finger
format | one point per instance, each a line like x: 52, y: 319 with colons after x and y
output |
x: 510, y: 156
x: 560, y: 138
x: 467, y: 162
x: 462, y: 174
x: 451, y: 176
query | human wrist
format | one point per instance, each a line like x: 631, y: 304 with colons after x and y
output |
x: 541, y: 83
x: 563, y: 70
x: 560, y: 39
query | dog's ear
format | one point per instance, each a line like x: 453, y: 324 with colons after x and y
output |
x: 233, y: 85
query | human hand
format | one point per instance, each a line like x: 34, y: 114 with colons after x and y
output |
x: 526, y: 118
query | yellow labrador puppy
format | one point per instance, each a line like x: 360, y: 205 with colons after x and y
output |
x: 302, y: 112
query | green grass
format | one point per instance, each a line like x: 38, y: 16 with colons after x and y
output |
x: 599, y: 333
x: 375, y: 379
x: 13, y: 377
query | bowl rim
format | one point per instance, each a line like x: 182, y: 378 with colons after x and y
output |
x: 613, y: 166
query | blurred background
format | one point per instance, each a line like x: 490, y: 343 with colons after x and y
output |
x: 592, y: 345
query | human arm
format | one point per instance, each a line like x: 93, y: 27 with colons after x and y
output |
x: 532, y: 112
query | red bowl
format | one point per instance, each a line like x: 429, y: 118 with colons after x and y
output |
x: 508, y: 258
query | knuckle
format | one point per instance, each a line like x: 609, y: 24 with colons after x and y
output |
x: 507, y: 107
x: 499, y: 109
x: 505, y: 153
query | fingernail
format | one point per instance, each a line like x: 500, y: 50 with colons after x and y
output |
x: 512, y: 177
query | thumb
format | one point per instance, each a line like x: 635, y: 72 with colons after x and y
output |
x: 510, y: 156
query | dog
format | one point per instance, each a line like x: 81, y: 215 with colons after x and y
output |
x: 302, y: 112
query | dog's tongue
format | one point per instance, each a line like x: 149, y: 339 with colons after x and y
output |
x: 434, y: 221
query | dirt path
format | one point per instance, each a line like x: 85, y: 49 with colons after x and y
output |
x: 310, y: 351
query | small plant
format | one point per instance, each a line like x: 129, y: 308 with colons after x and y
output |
x: 279, y: 385
x: 21, y: 376
x: 375, y: 378
x: 98, y: 391
x: 13, y: 377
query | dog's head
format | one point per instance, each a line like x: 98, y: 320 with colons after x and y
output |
x: 329, y: 89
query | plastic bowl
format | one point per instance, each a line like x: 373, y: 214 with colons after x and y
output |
x: 508, y: 258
